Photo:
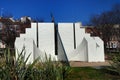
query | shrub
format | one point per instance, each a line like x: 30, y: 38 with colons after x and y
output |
x: 115, y: 64
x: 52, y: 70
x: 17, y: 69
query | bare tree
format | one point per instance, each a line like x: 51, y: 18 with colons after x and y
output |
x: 105, y: 24
x: 38, y: 19
x: 8, y: 33
x: 7, y: 15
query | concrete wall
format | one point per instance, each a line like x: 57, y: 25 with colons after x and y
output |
x: 72, y: 45
x: 91, y: 44
x: 95, y: 48
x: 37, y: 52
x: 30, y: 32
x: 100, y: 49
x: 28, y: 44
x: 46, y: 38
x: 62, y: 56
x: 80, y: 53
x: 66, y: 33
x: 80, y: 33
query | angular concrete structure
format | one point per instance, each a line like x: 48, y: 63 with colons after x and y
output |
x: 64, y: 42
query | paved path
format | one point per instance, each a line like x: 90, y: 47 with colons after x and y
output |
x: 85, y: 64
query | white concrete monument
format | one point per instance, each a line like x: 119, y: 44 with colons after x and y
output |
x: 64, y: 42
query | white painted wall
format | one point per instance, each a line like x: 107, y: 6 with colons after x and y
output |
x: 80, y: 33
x: 37, y: 52
x: 46, y: 38
x: 28, y: 44
x: 100, y: 49
x: 91, y: 44
x: 80, y: 53
x: 88, y: 48
x: 62, y: 56
x: 66, y: 33
x: 30, y: 32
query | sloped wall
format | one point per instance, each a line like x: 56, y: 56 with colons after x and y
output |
x: 62, y: 56
x: 66, y: 33
x: 80, y: 53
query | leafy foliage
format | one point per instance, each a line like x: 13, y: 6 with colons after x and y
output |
x: 115, y: 64
x: 18, y: 69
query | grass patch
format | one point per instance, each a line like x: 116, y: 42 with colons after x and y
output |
x: 88, y: 73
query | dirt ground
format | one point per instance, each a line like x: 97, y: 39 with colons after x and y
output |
x: 86, y: 64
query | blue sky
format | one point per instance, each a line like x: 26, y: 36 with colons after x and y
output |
x: 63, y: 10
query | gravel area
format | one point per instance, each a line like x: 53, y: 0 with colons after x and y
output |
x: 91, y: 64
